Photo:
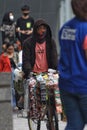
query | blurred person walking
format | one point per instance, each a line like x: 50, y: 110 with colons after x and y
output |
x: 73, y: 67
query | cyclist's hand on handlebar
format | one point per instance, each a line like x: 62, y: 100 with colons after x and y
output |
x: 52, y: 70
x: 25, y: 75
x: 59, y: 108
x: 28, y: 74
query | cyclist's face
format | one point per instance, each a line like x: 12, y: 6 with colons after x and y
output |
x: 41, y: 30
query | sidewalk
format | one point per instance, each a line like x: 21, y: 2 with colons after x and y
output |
x: 22, y: 124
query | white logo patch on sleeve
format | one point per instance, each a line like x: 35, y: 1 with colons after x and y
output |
x: 68, y: 34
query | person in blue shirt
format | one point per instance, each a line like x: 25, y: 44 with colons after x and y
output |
x: 72, y: 66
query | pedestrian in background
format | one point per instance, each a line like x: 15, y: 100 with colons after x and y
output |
x: 8, y: 28
x: 73, y: 66
x: 24, y: 27
x: 8, y: 62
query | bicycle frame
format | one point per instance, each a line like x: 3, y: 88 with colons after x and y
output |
x: 47, y: 110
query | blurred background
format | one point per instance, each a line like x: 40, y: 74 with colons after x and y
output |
x: 55, y: 12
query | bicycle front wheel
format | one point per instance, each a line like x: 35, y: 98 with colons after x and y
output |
x: 52, y: 123
x: 34, y: 124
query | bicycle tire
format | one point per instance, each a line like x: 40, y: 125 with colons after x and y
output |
x: 52, y: 122
x: 34, y: 124
x: 39, y: 125
x: 56, y: 120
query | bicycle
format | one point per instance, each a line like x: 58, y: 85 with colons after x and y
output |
x: 43, y: 106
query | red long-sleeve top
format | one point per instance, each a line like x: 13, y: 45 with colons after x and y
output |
x: 5, y: 65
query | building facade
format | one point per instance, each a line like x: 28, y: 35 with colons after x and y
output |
x: 65, y: 11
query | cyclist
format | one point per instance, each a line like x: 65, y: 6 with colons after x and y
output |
x: 39, y: 51
x: 40, y: 54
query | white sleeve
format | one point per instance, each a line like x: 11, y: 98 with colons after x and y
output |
x: 20, y: 57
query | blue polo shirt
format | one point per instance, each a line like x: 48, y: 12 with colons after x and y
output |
x: 72, y: 63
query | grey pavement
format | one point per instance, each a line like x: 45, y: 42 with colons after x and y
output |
x: 21, y: 123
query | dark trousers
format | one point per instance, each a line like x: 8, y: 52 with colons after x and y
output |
x: 75, y: 106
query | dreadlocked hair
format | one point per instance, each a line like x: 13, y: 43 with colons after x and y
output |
x: 80, y: 9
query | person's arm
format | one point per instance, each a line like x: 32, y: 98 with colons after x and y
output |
x: 28, y: 32
x: 26, y: 55
x: 20, y: 57
x: 85, y: 46
x: 3, y: 37
x: 17, y: 30
x: 16, y: 58
x: 54, y: 54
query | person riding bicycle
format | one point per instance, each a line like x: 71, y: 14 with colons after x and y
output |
x: 40, y: 54
x: 39, y: 51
